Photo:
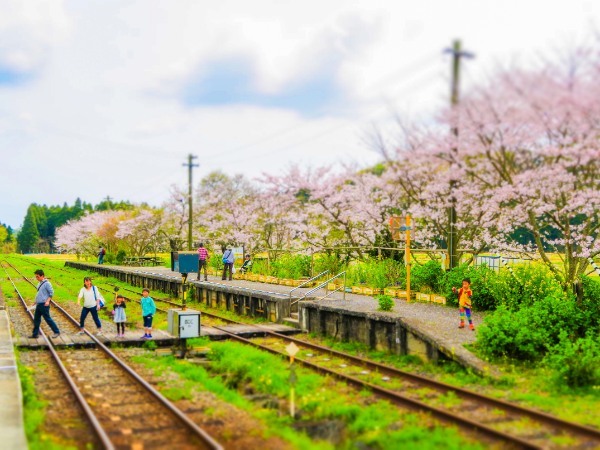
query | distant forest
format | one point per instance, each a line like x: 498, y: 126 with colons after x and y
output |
x: 41, y: 222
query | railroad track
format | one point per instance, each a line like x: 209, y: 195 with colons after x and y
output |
x: 110, y: 392
x: 500, y: 420
x: 513, y: 424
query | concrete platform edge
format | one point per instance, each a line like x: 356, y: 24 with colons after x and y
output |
x: 11, y: 397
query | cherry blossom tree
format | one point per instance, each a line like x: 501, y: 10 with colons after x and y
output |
x: 83, y: 236
x: 227, y: 210
x: 139, y: 234
x: 535, y: 137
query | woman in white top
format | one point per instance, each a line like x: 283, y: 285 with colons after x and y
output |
x: 91, y: 304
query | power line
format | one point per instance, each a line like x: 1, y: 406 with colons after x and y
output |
x: 330, y: 130
x: 417, y: 66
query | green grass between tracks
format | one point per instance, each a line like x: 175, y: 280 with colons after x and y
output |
x: 236, y: 370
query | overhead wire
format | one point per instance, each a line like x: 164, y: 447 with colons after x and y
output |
x: 415, y: 67
x: 316, y: 136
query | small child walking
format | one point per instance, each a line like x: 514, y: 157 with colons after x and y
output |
x: 119, y: 315
x: 148, y: 311
x: 464, y: 302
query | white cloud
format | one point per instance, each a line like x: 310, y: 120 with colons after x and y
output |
x: 103, y: 115
x: 28, y: 32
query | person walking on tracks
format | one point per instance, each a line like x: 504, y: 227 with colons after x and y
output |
x: 228, y: 259
x: 92, y: 302
x: 42, y: 306
x: 202, y: 261
x: 464, y: 295
x: 148, y: 311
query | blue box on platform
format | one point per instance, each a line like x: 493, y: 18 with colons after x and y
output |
x: 184, y: 262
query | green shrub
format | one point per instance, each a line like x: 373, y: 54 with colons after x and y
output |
x: 528, y: 333
x: 385, y: 302
x: 215, y: 262
x: 331, y: 262
x: 575, y: 363
x: 427, y: 277
x: 590, y: 305
x: 530, y: 283
x: 483, y: 284
x: 291, y: 266
x: 377, y: 274
x: 121, y: 255
x: 260, y: 267
x: 505, y: 333
x: 395, y: 273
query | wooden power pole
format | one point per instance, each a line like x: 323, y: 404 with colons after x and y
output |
x: 190, y: 166
x: 457, y: 54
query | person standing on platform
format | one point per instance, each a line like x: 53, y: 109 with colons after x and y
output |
x: 92, y: 303
x: 42, y: 306
x: 228, y: 259
x: 464, y: 295
x: 101, y: 253
x: 202, y: 261
x: 148, y: 311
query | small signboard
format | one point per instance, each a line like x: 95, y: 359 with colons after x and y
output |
x: 398, y: 230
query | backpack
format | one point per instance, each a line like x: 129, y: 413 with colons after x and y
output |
x: 103, y: 252
x: 226, y: 256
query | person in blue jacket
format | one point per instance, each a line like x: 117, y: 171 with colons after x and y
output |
x: 148, y: 311
x: 228, y: 259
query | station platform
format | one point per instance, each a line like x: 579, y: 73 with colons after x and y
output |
x: 11, y: 411
x: 434, y: 324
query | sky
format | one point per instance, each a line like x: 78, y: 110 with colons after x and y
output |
x: 108, y: 97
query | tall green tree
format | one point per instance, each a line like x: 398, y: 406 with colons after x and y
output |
x: 29, y: 235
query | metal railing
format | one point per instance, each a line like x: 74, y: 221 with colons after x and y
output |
x: 320, y: 286
x: 308, y: 281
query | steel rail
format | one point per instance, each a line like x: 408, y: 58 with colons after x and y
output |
x: 93, y: 420
x: 462, y: 392
x: 98, y: 285
x: 397, y: 397
x: 199, y: 432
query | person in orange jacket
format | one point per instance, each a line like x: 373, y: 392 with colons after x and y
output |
x: 465, y: 294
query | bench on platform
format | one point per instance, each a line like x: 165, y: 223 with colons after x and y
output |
x: 143, y: 261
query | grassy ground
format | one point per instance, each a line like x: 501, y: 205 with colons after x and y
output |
x: 260, y: 384
x: 527, y: 385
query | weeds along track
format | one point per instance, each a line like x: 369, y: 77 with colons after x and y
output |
x: 513, y: 424
x: 123, y: 409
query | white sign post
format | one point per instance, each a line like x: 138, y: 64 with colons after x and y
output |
x: 292, y: 349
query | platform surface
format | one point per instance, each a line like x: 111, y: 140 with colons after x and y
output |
x: 11, y: 411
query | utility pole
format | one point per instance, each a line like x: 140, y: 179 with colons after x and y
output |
x: 190, y: 166
x: 457, y: 54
